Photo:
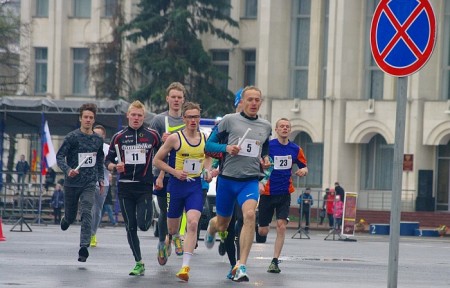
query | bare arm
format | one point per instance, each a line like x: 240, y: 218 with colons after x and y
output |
x: 171, y: 142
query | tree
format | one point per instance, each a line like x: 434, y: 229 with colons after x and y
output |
x: 168, y: 33
x: 110, y: 63
x: 10, y: 32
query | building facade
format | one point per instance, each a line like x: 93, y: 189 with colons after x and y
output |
x: 312, y: 60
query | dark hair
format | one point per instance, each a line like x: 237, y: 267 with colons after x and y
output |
x: 88, y: 107
x: 100, y: 127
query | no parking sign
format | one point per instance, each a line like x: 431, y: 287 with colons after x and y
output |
x: 402, y: 35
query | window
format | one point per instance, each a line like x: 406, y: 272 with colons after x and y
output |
x: 314, y: 155
x: 220, y: 59
x: 301, y: 20
x: 82, y: 8
x: 377, y: 161
x: 110, y: 8
x: 80, y: 71
x: 326, y: 7
x: 249, y: 67
x: 446, y: 54
x: 42, y: 8
x: 251, y: 9
x: 40, y: 77
x: 374, y: 76
x: 442, y: 183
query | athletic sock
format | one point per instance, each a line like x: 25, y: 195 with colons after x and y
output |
x: 187, y: 258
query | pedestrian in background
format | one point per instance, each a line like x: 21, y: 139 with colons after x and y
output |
x: 22, y: 168
x: 305, y: 202
x: 57, y: 203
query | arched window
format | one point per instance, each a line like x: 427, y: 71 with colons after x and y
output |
x: 377, y: 160
x: 314, y: 155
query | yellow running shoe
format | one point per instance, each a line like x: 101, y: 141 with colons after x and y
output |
x: 183, y: 274
x: 178, y: 245
x: 93, y: 241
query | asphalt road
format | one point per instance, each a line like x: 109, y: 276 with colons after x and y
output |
x: 47, y: 257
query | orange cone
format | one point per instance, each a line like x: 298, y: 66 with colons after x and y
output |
x: 2, y: 238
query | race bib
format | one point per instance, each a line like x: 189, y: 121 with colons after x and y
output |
x: 282, y: 162
x: 192, y: 166
x: 135, y: 156
x: 88, y: 158
x: 249, y: 148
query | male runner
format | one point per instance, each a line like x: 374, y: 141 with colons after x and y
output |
x: 81, y: 158
x: 136, y: 146
x: 186, y: 163
x: 175, y: 97
x: 241, y: 170
x: 100, y: 196
x: 277, y: 193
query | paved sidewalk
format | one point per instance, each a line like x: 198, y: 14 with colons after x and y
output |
x: 47, y: 257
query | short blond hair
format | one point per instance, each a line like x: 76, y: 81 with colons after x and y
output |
x: 136, y: 104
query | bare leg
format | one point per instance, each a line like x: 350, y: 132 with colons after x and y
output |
x: 248, y: 230
x: 279, y: 241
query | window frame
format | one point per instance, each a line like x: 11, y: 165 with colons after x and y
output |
x: 299, y: 89
x: 39, y: 64
x: 78, y: 74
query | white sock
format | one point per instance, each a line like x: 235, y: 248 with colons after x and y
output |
x: 187, y: 258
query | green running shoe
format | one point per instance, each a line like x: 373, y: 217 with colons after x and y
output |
x: 138, y: 270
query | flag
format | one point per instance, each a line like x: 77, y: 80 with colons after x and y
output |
x: 48, y: 151
x: 34, y: 161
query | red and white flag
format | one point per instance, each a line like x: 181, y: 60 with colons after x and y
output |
x: 48, y: 151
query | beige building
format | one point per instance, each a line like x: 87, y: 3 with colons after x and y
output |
x: 312, y: 60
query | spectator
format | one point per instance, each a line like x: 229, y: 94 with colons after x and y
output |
x: 323, y: 212
x: 338, y: 208
x: 57, y: 203
x: 50, y: 178
x: 339, y: 191
x: 305, y: 202
x: 329, y: 203
x: 22, y: 168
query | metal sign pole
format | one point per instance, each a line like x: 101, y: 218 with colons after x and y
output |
x: 397, y: 182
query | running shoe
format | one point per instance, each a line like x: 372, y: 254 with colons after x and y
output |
x: 209, y: 239
x: 222, y: 248
x: 83, y: 254
x: 233, y: 271
x: 183, y: 274
x: 230, y: 274
x: 162, y: 254
x: 64, y: 224
x: 168, y: 247
x: 138, y: 270
x: 273, y: 268
x: 241, y: 274
x: 178, y: 246
x: 223, y: 235
x: 93, y: 241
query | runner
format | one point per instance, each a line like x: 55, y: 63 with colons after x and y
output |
x: 81, y: 158
x: 187, y: 160
x: 100, y: 196
x: 276, y: 195
x: 135, y: 145
x: 166, y: 123
x: 241, y: 170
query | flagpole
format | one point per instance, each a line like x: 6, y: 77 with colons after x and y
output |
x: 40, y: 174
